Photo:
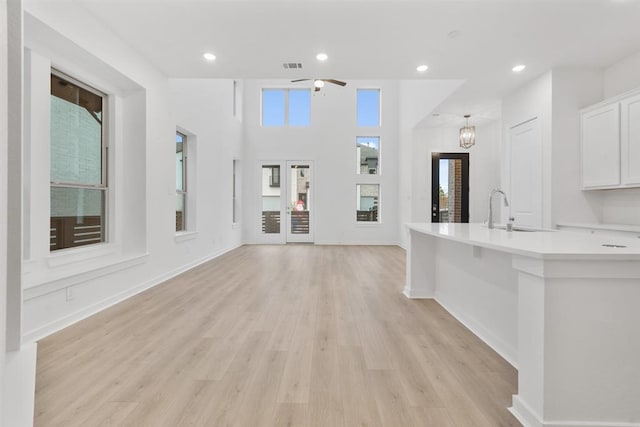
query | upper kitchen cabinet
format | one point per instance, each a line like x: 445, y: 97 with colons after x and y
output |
x: 601, y: 146
x: 630, y: 141
x: 611, y: 143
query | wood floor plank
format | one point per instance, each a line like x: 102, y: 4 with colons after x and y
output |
x: 282, y: 335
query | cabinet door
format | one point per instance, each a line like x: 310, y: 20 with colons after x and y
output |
x: 601, y: 147
x: 630, y: 141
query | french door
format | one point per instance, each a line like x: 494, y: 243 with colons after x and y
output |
x: 286, y: 201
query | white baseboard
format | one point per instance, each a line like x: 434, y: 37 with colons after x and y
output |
x: 52, y: 327
x: 524, y: 413
x: 508, y: 353
x: 529, y: 418
x: 417, y: 294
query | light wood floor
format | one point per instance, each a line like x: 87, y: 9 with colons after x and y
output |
x: 275, y: 336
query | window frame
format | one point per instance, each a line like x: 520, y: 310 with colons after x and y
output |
x: 104, y: 163
x: 286, y: 122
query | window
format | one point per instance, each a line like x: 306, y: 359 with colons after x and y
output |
x: 281, y: 107
x: 367, y: 155
x: 367, y: 199
x: 368, y: 107
x: 235, y: 208
x: 78, y: 173
x: 181, y: 181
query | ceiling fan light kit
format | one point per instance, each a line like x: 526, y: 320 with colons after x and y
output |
x: 319, y: 83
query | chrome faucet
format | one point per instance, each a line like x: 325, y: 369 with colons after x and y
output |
x: 506, y: 203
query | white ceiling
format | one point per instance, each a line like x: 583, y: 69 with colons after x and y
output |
x: 383, y: 39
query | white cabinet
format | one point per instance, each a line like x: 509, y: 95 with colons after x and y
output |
x: 601, y: 146
x: 630, y: 141
x: 611, y: 143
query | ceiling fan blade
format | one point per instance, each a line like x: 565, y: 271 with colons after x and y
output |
x: 300, y: 80
x: 335, y: 82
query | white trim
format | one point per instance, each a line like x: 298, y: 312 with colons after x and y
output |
x: 52, y: 327
x: 183, y: 236
x: 416, y: 294
x: 524, y: 413
x: 529, y: 418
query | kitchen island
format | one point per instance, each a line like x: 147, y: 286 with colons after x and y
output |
x: 561, y: 307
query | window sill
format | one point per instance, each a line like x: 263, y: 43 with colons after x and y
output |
x: 183, y: 236
x: 368, y: 224
x: 41, y: 278
x: 81, y: 254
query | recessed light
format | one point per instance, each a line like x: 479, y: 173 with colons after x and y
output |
x: 209, y: 56
x: 422, y: 68
x: 322, y: 57
x: 518, y: 68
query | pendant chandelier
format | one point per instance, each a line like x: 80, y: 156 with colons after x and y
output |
x: 467, y: 134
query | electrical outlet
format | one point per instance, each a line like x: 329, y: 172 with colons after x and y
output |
x: 69, y: 294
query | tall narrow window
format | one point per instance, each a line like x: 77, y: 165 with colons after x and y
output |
x: 78, y: 172
x: 368, y: 108
x: 181, y: 181
x: 235, y: 209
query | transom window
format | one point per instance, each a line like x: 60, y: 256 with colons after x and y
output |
x: 368, y: 107
x: 286, y: 107
x: 78, y: 172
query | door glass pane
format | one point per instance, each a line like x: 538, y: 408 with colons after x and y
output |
x: 76, y: 134
x: 299, y: 178
x: 77, y: 217
x: 450, y: 201
x: 368, y: 154
x: 367, y: 198
x: 270, y: 199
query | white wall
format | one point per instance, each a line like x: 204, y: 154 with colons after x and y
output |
x: 573, y: 89
x: 144, y: 249
x: 484, y: 172
x: 533, y: 100
x: 330, y: 142
x: 204, y: 107
x: 621, y: 206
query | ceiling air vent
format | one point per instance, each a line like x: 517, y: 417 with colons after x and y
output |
x: 292, y: 65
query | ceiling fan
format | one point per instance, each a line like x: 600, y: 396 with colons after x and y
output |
x: 319, y: 83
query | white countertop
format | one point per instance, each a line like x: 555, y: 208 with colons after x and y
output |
x: 539, y: 244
